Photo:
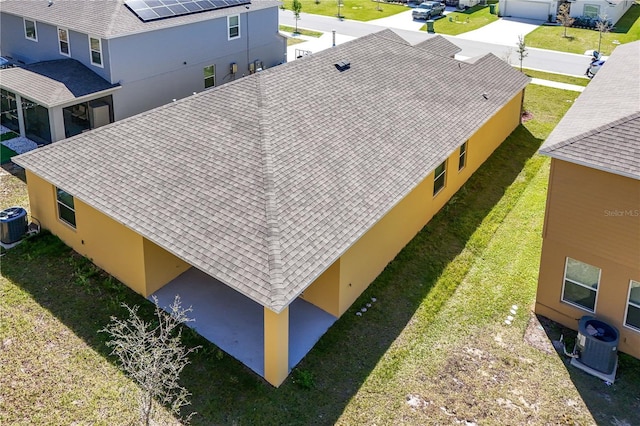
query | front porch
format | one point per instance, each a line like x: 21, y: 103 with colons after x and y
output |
x: 236, y: 324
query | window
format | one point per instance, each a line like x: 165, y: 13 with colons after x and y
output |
x: 580, y: 284
x: 439, y: 177
x: 591, y: 11
x: 95, y: 47
x: 233, y: 22
x: 63, y: 41
x: 463, y: 156
x: 66, y: 210
x: 632, y: 318
x: 30, y: 30
x: 209, y: 76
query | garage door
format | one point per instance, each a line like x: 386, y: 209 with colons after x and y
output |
x: 527, y: 9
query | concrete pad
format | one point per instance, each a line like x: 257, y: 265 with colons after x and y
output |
x: 404, y: 21
x: 235, y: 323
x: 314, y: 45
x: 504, y: 31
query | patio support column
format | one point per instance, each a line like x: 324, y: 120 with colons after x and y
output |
x: 276, y: 346
x: 21, y: 125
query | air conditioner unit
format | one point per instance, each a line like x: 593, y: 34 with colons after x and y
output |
x: 597, y: 348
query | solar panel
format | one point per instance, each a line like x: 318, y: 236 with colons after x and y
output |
x: 152, y: 10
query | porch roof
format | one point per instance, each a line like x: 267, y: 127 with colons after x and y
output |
x: 602, y: 128
x: 53, y: 83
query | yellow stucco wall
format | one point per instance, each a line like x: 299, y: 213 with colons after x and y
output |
x: 364, y: 261
x: 276, y: 346
x: 324, y: 292
x: 160, y: 266
x: 121, y: 252
x: 593, y: 217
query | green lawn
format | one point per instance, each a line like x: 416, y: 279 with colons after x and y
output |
x: 433, y: 349
x: 561, y: 78
x: 301, y: 31
x: 460, y: 22
x: 6, y: 154
x: 358, y: 10
x: 626, y: 30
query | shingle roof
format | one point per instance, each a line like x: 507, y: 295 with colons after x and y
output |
x: 52, y: 83
x: 265, y: 181
x: 439, y: 45
x: 602, y: 128
x: 109, y: 18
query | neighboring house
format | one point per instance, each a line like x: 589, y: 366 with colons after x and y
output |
x: 609, y: 9
x: 590, y: 261
x: 82, y: 64
x: 302, y: 181
x: 547, y: 10
x: 528, y: 9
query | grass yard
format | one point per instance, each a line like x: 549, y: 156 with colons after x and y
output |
x: 6, y: 154
x: 456, y: 23
x: 433, y: 349
x: 292, y: 36
x: 358, y: 10
x: 561, y: 78
x: 626, y: 30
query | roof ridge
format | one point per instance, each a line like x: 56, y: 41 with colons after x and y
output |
x: 591, y: 132
x: 274, y: 248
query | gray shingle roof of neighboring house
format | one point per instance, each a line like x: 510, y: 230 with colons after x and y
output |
x: 602, y: 128
x: 52, y: 83
x: 439, y: 45
x: 109, y: 18
x: 265, y: 181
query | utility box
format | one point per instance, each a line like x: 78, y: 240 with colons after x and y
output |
x: 13, y: 224
x: 596, y: 350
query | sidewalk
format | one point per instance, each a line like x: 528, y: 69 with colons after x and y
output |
x: 312, y: 44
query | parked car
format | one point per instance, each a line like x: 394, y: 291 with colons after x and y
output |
x: 428, y: 10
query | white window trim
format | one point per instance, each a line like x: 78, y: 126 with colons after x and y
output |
x: 58, y: 202
x: 101, y: 65
x: 35, y: 26
x: 584, y: 9
x: 565, y: 279
x: 60, y: 42
x: 435, y: 178
x: 213, y: 76
x: 626, y: 310
x: 460, y: 154
x: 229, y: 27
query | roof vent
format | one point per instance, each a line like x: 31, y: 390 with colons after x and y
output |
x: 343, y: 65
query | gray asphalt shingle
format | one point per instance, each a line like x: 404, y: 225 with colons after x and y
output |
x: 602, y: 128
x: 109, y: 18
x: 51, y: 83
x: 277, y: 174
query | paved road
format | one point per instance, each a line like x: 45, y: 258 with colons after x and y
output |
x: 546, y: 60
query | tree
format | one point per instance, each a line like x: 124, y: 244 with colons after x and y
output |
x: 296, y: 7
x: 603, y: 25
x: 522, y: 50
x: 151, y: 353
x: 564, y: 18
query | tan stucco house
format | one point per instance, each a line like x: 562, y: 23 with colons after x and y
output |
x: 590, y: 261
x: 296, y: 185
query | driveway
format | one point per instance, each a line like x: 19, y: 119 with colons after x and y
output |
x: 404, y: 21
x: 504, y: 31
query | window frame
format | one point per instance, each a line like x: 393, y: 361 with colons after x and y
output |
x: 564, y: 283
x: 229, y: 27
x: 462, y: 156
x: 630, y: 303
x: 91, y: 51
x: 62, y: 203
x: 35, y: 29
x: 212, y: 76
x: 60, y: 41
x: 442, y: 175
x: 596, y: 15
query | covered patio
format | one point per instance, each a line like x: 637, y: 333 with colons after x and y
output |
x: 52, y: 100
x: 235, y: 323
